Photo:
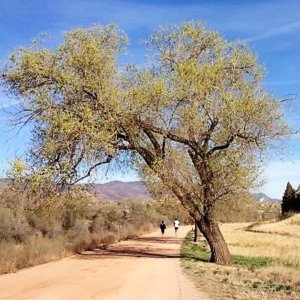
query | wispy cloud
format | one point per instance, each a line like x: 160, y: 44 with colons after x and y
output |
x: 276, y: 31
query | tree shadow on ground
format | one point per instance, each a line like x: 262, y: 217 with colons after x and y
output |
x: 162, y: 240
x: 138, y: 247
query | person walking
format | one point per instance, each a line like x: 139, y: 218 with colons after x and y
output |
x: 162, y: 227
x: 176, y: 225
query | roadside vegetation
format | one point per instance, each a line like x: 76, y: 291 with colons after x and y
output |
x: 245, y: 208
x: 264, y: 265
x: 38, y: 226
x: 35, y: 230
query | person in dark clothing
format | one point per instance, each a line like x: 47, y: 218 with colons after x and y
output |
x: 162, y: 227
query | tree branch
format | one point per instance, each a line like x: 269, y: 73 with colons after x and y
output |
x: 108, y: 160
x: 154, y: 142
x: 221, y: 147
x: 167, y: 134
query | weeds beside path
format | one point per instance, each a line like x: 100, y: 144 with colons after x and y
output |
x: 145, y: 268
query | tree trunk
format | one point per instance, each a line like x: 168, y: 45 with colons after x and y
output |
x: 196, y: 232
x: 208, y: 226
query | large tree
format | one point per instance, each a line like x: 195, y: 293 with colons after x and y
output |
x: 194, y: 119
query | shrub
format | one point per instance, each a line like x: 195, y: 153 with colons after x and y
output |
x: 12, y: 226
x: 37, y: 229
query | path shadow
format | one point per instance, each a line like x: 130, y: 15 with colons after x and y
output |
x: 129, y: 252
x: 164, y: 240
x: 138, y: 247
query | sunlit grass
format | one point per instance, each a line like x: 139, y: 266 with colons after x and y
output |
x: 263, y: 265
x: 282, y: 249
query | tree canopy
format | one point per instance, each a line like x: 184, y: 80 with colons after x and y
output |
x: 290, y: 200
x: 195, y: 118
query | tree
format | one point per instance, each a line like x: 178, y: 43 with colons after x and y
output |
x: 196, y: 119
x: 297, y: 200
x: 288, y: 199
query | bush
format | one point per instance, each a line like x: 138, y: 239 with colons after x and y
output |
x: 35, y: 250
x: 37, y: 229
x: 12, y: 226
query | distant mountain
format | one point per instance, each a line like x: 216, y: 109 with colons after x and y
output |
x: 261, y: 197
x: 110, y: 191
x: 119, y: 190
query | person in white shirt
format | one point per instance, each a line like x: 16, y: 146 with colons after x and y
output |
x: 176, y: 225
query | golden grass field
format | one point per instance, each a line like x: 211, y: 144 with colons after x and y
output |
x: 274, y: 240
x: 272, y: 270
x: 285, y: 227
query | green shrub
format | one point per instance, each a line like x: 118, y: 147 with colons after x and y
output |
x: 251, y: 262
x: 190, y: 250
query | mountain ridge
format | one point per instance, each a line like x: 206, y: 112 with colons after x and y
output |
x: 262, y: 197
x: 117, y: 190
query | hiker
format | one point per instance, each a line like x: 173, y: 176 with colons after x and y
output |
x: 162, y: 227
x: 176, y: 225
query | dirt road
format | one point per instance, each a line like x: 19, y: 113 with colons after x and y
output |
x: 146, y: 268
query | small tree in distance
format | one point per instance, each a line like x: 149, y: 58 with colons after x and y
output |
x: 288, y: 199
x: 196, y: 120
x: 297, y: 200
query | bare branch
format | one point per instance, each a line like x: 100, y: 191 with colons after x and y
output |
x: 167, y: 134
x: 221, y: 147
x: 88, y: 174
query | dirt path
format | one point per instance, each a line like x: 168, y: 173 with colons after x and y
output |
x: 146, y: 268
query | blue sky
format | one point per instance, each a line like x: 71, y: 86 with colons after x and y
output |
x: 272, y: 29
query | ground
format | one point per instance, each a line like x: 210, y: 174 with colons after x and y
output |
x: 144, y: 268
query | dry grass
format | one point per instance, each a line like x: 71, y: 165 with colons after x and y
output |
x: 279, y: 280
x: 287, y: 227
x: 31, y: 237
x: 36, y: 250
x: 283, y: 248
x: 227, y: 283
